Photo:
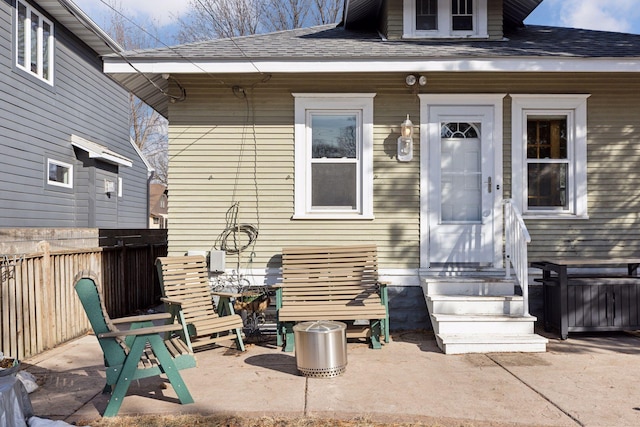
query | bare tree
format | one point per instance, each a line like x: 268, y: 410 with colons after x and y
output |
x: 211, y: 19
x: 148, y: 129
x: 285, y: 14
x: 326, y: 11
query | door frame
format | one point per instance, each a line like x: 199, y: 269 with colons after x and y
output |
x: 462, y: 100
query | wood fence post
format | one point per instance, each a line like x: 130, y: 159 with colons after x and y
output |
x: 48, y: 297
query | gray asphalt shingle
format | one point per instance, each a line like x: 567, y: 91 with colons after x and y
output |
x: 331, y: 42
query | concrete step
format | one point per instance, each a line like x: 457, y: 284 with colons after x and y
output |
x: 474, y: 286
x: 491, y: 343
x: 482, y: 324
x: 465, y: 304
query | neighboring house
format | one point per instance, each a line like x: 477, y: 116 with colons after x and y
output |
x: 301, y: 128
x: 158, y: 206
x: 66, y: 157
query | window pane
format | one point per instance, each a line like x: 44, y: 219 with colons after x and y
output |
x: 546, y: 138
x: 58, y: 173
x: 22, y: 17
x: 426, y: 14
x: 463, y: 23
x: 46, y: 34
x: 333, y: 185
x: 333, y: 136
x: 462, y: 15
x: 548, y: 183
x: 35, y: 23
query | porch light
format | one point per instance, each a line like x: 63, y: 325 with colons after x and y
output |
x: 405, y: 141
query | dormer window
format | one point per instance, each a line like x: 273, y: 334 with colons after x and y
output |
x: 427, y: 15
x: 462, y: 15
x: 445, y: 18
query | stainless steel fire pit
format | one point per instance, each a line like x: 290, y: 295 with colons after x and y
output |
x: 321, y: 348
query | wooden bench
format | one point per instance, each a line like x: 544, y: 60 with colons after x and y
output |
x: 332, y: 283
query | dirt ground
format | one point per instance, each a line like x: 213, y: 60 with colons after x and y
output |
x: 232, y: 421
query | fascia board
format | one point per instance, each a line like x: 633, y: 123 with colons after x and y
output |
x: 519, y: 64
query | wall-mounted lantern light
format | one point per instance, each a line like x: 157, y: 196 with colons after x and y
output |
x: 405, y: 141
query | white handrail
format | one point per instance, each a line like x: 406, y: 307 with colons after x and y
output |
x: 516, y: 240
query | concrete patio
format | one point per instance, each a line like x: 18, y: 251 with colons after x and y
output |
x: 587, y: 380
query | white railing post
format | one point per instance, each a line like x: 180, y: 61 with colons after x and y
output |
x: 516, y: 240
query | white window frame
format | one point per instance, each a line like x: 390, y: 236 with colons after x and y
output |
x: 64, y: 165
x: 445, y: 21
x: 362, y: 103
x: 39, y: 43
x: 574, y: 107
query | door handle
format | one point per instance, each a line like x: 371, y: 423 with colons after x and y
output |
x: 489, y: 186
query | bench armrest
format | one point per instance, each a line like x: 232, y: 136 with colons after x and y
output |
x: 227, y: 294
x: 141, y: 331
x: 171, y: 301
x: 141, y: 318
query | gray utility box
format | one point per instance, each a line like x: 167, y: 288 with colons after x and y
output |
x: 321, y: 348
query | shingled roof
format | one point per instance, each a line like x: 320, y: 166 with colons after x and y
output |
x: 331, y: 42
x: 332, y: 48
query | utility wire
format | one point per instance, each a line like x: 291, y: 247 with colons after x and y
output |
x: 177, y: 51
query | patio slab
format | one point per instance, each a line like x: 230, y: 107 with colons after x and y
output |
x: 587, y: 380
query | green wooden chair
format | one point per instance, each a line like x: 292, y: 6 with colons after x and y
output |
x: 134, y: 353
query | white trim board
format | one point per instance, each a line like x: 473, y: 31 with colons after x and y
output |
x: 515, y: 64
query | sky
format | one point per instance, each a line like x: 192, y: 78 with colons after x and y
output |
x: 607, y: 15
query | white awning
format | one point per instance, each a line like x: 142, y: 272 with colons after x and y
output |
x: 97, y: 151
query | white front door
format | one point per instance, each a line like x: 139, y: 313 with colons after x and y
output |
x: 462, y: 209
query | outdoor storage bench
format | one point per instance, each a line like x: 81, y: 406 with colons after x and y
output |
x: 332, y: 283
x: 589, y: 301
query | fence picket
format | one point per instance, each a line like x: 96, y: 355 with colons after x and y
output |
x: 38, y: 307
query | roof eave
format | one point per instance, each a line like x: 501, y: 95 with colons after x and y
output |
x: 72, y: 17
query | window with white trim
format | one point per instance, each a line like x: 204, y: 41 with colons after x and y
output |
x: 445, y: 18
x: 333, y: 155
x: 550, y: 155
x: 59, y: 174
x: 34, y: 42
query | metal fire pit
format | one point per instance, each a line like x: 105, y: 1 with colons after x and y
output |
x: 321, y: 348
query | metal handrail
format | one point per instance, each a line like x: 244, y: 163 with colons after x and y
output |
x: 517, y: 238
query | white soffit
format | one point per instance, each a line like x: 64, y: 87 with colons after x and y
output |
x: 97, y: 151
x: 521, y: 64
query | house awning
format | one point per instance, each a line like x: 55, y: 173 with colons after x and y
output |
x: 97, y: 151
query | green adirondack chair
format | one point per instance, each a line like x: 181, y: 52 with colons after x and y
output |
x: 134, y: 353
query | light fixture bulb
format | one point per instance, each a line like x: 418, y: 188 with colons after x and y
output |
x: 410, y: 80
x: 406, y: 129
x: 422, y: 81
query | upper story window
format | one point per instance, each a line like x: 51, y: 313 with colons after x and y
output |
x: 334, y: 156
x: 34, y: 39
x: 445, y: 18
x: 549, y: 152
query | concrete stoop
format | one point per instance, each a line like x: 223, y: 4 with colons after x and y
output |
x: 480, y: 315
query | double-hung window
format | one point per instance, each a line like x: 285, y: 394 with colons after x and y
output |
x: 34, y: 42
x: 550, y: 155
x: 445, y: 18
x: 333, y: 155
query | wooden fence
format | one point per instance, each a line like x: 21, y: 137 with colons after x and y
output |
x: 38, y: 305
